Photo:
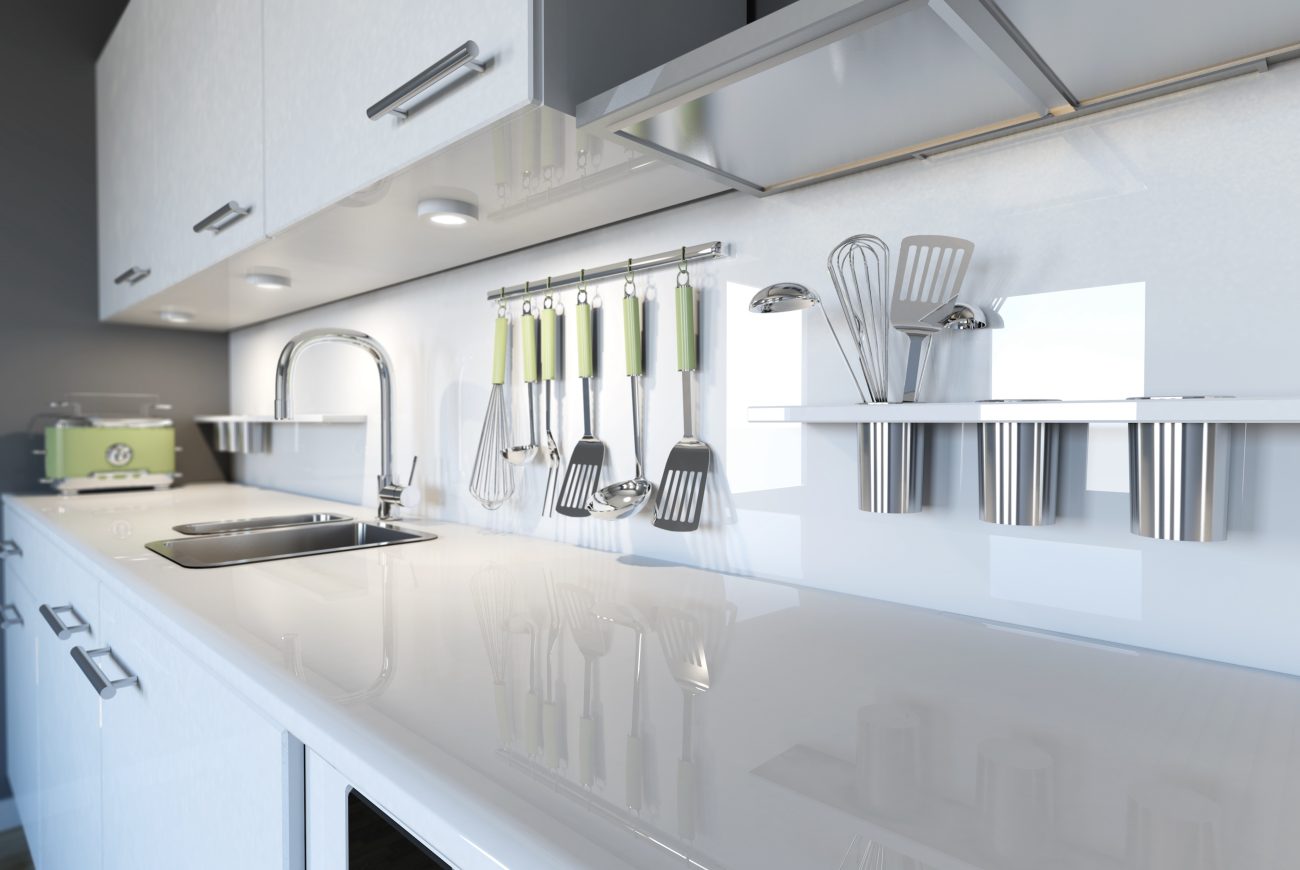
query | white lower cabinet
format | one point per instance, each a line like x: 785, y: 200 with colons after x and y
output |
x: 192, y: 775
x: 68, y: 713
x: 23, y: 733
x: 173, y: 769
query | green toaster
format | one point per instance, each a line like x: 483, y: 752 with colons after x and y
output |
x: 91, y: 453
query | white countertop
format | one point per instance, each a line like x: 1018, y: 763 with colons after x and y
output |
x: 1106, y: 731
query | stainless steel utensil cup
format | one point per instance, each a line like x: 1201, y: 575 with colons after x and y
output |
x: 1018, y: 473
x: 891, y: 467
x: 1178, y: 480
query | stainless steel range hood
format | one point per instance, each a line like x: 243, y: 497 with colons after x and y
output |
x: 825, y: 87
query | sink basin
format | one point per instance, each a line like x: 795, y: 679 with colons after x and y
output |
x: 240, y: 548
x: 221, y: 527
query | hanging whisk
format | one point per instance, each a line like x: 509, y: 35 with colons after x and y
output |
x: 860, y: 269
x: 493, y: 479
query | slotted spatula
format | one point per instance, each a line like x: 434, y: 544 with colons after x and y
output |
x: 929, y: 277
x: 681, y: 491
x: 582, y: 475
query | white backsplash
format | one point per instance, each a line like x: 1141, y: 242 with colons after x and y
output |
x: 1150, y: 250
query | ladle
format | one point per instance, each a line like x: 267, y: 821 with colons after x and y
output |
x: 625, y: 498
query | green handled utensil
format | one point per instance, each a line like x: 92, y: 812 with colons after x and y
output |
x: 583, y: 473
x: 492, y: 480
x: 553, y: 458
x: 521, y: 453
x: 681, y: 491
x: 625, y: 498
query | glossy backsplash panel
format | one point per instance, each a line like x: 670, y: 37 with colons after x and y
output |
x: 1148, y: 251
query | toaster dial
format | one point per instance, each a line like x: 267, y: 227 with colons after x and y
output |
x: 119, y: 454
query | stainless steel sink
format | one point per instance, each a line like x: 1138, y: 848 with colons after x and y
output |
x: 254, y: 524
x: 240, y: 548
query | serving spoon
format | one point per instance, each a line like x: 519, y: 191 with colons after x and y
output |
x: 625, y: 498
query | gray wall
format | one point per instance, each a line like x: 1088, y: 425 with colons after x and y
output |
x: 50, y: 340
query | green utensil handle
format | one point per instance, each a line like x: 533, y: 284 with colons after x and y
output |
x: 528, y: 323
x: 548, y: 344
x: 585, y: 343
x: 499, y: 350
x: 686, y: 361
x: 632, y: 335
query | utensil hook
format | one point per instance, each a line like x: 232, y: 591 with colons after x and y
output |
x: 582, y: 286
x: 683, y: 273
x: 629, y: 282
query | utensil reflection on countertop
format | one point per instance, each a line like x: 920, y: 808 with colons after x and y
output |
x: 492, y: 607
x: 634, y: 765
x: 593, y: 642
x: 683, y: 644
x: 625, y: 498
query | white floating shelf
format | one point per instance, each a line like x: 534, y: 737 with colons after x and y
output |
x: 1209, y: 410
x: 297, y: 418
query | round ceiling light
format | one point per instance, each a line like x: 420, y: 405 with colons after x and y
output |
x: 268, y: 281
x: 172, y: 315
x: 447, y: 212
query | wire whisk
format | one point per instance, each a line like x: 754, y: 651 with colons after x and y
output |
x: 492, y: 480
x: 860, y: 268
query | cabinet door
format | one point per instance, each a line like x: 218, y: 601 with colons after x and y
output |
x: 209, y: 94
x: 125, y: 144
x: 192, y: 775
x: 22, y: 734
x: 68, y: 717
x: 328, y: 61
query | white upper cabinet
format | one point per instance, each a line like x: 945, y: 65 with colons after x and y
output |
x: 180, y: 127
x: 329, y: 61
x: 126, y: 149
x: 1099, y: 47
x: 209, y: 93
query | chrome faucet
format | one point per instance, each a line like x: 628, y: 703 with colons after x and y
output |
x: 391, y: 493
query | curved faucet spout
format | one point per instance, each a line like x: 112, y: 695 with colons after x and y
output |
x: 389, y: 490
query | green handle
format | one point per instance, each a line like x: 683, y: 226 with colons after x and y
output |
x: 685, y: 328
x: 585, y: 344
x: 632, y: 335
x: 548, y: 344
x: 499, y: 350
x: 528, y: 323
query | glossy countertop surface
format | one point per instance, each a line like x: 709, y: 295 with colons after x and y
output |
x: 483, y: 687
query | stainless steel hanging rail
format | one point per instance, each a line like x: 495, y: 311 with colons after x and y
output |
x: 665, y: 260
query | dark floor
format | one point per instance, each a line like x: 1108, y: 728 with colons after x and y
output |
x: 13, y: 851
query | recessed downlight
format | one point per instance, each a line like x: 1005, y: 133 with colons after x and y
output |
x: 447, y: 212
x: 173, y: 315
x: 268, y: 281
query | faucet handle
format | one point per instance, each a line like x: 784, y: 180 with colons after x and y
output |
x: 411, y: 479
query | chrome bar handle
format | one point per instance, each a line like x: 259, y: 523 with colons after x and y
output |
x: 223, y: 218
x: 7, y: 621
x: 133, y: 275
x: 104, y: 687
x: 61, y: 629
x: 462, y: 56
x: 10, y: 548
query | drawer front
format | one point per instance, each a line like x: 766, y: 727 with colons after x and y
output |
x: 56, y: 582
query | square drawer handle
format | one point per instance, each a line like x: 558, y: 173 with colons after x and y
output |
x: 104, y: 687
x: 10, y: 616
x: 61, y: 629
x: 10, y: 548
